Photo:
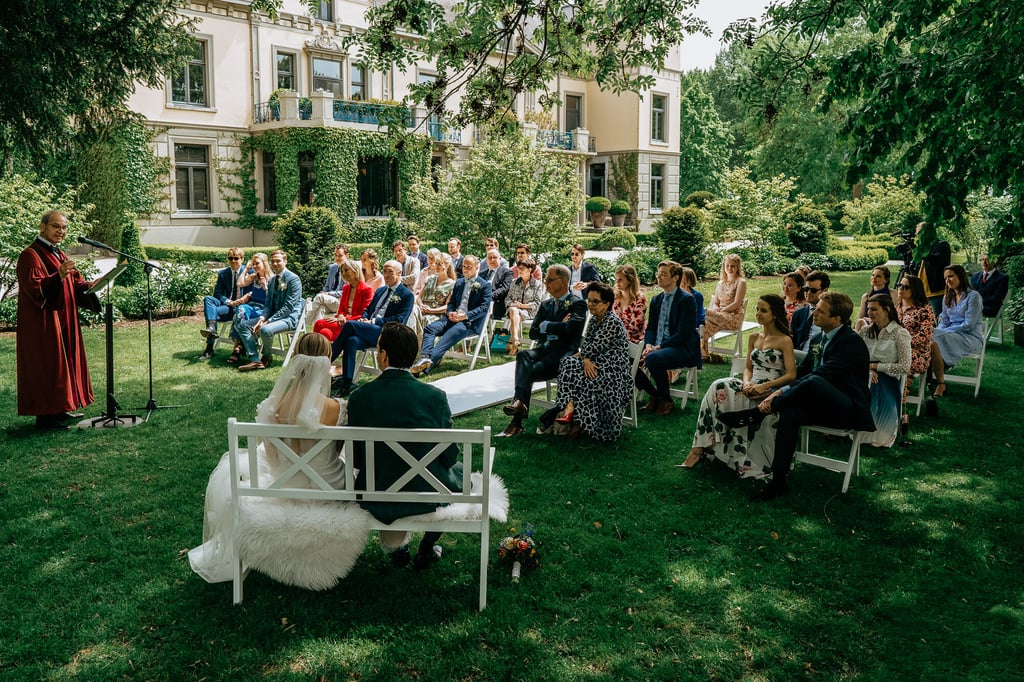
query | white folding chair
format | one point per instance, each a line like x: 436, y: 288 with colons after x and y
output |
x: 635, y: 351
x: 284, y: 342
x: 992, y: 325
x: 976, y: 361
x: 735, y: 349
x: 462, y: 351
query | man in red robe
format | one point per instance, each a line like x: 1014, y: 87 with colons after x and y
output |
x: 53, y: 378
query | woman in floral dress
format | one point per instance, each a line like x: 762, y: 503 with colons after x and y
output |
x: 918, y: 318
x: 630, y: 304
x: 793, y: 293
x: 770, y: 364
x: 726, y: 309
x: 594, y: 385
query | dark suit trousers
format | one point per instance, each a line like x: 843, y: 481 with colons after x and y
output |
x: 658, y: 363
x: 812, y: 401
x: 355, y: 335
x: 536, y: 364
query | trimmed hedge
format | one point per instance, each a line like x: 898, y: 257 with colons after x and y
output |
x: 856, y: 256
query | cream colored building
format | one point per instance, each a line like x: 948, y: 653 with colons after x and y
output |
x: 244, y: 60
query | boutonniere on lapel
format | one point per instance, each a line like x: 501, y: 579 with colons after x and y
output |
x: 816, y: 351
x: 474, y: 285
x: 394, y: 298
x: 282, y: 285
x: 565, y: 304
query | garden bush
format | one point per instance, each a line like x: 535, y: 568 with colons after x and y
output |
x: 808, y: 230
x: 645, y: 260
x: 201, y: 255
x: 9, y: 313
x: 856, y: 257
x: 596, y: 204
x: 176, y: 290
x: 308, y: 235
x: 619, y: 207
x: 615, y: 237
x: 369, y: 231
x: 130, y: 244
x: 700, y: 199
x: 684, y: 236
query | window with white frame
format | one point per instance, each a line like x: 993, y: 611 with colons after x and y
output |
x: 657, y: 186
x: 327, y: 75
x: 190, y: 86
x: 658, y: 110
x: 325, y: 10
x: 285, y: 64
x: 573, y: 112
x: 357, y: 74
x: 192, y: 177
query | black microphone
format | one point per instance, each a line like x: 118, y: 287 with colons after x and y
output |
x: 98, y: 245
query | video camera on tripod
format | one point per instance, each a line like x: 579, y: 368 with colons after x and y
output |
x: 906, y: 250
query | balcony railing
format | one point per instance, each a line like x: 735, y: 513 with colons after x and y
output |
x: 355, y: 111
x: 555, y: 139
x: 266, y: 111
x: 305, y: 109
x: 437, y: 132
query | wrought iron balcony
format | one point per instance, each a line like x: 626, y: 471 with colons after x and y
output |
x: 555, y: 139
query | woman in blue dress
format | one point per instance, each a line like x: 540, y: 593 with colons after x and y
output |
x: 961, y: 329
x: 253, y: 288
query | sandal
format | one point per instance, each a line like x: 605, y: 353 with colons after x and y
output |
x: 566, y: 419
x: 235, y: 354
x: 938, y: 385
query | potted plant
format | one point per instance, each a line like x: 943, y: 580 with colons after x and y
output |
x: 618, y: 211
x: 598, y: 207
x: 1013, y: 310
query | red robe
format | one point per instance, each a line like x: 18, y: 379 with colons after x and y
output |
x: 52, y: 373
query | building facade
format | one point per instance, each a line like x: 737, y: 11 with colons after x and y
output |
x: 253, y: 79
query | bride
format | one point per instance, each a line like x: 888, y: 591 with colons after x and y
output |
x: 275, y: 535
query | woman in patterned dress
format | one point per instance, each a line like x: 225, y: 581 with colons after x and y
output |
x: 630, y: 304
x: 726, y: 309
x: 523, y: 299
x: 432, y: 301
x: 594, y: 385
x: 793, y: 293
x: 770, y: 364
x: 918, y: 318
x: 889, y: 350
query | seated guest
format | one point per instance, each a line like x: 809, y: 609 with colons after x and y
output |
x: 671, y: 341
x: 410, y: 264
x: 594, y: 384
x: 423, y: 407
x: 414, y: 251
x: 280, y: 314
x: 991, y: 284
x: 426, y: 271
x: 522, y: 302
x: 689, y: 285
x: 355, y: 296
x: 557, y: 327
x: 467, y: 311
x: 890, y: 354
x: 770, y: 364
x: 492, y: 243
x: 216, y: 308
x: 372, y: 275
x: 630, y: 304
x: 831, y: 390
x: 432, y: 301
x: 918, y: 318
x: 455, y: 251
x: 880, y: 278
x: 253, y: 286
x: 960, y: 331
x: 581, y: 273
x: 391, y: 303
x: 793, y: 293
x: 522, y: 252
x: 726, y: 308
x: 499, y: 276
x: 326, y: 301
x: 802, y: 324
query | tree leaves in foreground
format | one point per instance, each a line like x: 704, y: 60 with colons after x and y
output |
x: 489, y: 51
x: 939, y: 82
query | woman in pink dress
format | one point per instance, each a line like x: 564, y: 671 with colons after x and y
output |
x: 726, y: 308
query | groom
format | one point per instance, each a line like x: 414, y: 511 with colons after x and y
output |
x: 423, y: 407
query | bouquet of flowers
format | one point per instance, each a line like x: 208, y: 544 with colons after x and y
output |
x: 519, y: 550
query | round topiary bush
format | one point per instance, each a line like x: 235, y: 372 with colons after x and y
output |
x: 808, y: 231
x: 615, y: 237
x: 619, y: 207
x: 308, y: 235
x: 684, y: 236
x: 699, y: 199
x: 595, y: 204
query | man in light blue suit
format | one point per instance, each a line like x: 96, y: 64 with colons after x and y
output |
x: 280, y: 314
x: 467, y: 310
x: 391, y: 303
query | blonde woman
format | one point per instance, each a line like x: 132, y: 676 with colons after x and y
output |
x: 726, y: 309
x: 371, y: 269
x: 630, y: 304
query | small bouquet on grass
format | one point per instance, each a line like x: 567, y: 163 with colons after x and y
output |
x: 520, y: 551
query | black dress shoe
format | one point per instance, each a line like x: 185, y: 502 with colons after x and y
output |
x: 516, y: 409
x: 51, y: 422
x: 423, y: 560
x: 770, y: 492
x: 400, y: 557
x: 739, y: 419
x: 512, y: 429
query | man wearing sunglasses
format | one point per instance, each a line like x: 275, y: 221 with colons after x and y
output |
x: 221, y: 306
x: 802, y: 324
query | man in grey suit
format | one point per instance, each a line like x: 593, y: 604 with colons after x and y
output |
x: 280, y: 314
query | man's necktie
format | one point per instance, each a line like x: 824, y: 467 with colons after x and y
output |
x: 234, y: 285
x: 382, y: 303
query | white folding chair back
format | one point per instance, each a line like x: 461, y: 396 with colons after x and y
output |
x: 732, y: 336
x: 481, y: 341
x: 635, y: 351
x: 994, y: 330
x: 976, y: 361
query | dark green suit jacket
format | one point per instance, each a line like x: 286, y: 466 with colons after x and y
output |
x: 398, y: 400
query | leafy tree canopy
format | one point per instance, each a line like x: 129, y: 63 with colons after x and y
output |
x: 489, y: 51
x: 938, y: 82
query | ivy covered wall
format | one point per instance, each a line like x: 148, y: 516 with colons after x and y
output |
x: 336, y: 154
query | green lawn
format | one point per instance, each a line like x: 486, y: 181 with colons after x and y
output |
x: 649, y: 572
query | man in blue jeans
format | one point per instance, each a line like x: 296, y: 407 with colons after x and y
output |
x: 280, y: 314
x: 220, y: 306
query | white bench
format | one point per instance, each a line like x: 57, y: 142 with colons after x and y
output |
x: 475, y: 444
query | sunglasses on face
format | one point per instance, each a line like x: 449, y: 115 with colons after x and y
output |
x: 811, y: 290
x: 234, y: 258
x: 902, y: 286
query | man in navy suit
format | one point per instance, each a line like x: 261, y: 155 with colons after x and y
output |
x: 671, y: 339
x: 280, y: 314
x: 558, y: 327
x: 467, y: 310
x: 802, y: 325
x: 581, y: 273
x: 831, y: 390
x: 391, y: 303
x: 455, y: 251
x: 327, y: 301
x: 991, y: 284
x: 225, y: 292
x: 414, y: 250
x: 499, y: 275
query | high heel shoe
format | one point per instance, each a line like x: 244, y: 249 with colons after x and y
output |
x: 695, y: 457
x: 939, y: 385
x: 511, y: 348
x: 566, y: 418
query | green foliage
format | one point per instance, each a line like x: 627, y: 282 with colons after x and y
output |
x: 625, y: 179
x: 856, y: 256
x: 684, y: 235
x: 1014, y: 269
x: 984, y: 214
x: 130, y: 244
x: 23, y: 200
x: 120, y: 173
x: 808, y: 230
x: 176, y: 290
x: 597, y: 204
x: 700, y: 199
x: 619, y: 45
x: 619, y: 207
x: 393, y: 229
x: 182, y: 253
x: 308, y: 235
x: 9, y: 312
x: 508, y: 190
x: 704, y: 139
x: 884, y: 208
x: 605, y: 268
x: 615, y: 237
x: 645, y: 260
x: 1013, y: 306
